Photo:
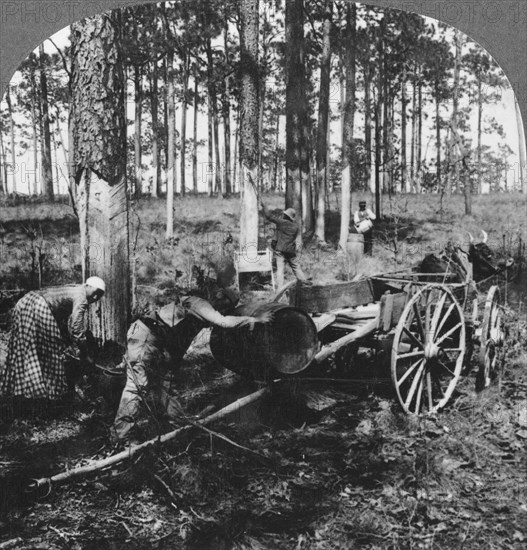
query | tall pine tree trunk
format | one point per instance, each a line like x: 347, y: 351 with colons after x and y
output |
x: 295, y: 105
x: 414, y: 135
x: 34, y: 125
x: 349, y: 122
x: 156, y: 182
x: 249, y: 138
x: 171, y: 129
x: 195, y: 138
x: 12, y: 136
x: 227, y: 138
x: 99, y: 144
x: 3, y: 174
x: 480, y: 113
x: 323, y: 121
x: 183, y: 155
x: 214, y: 170
x: 227, y: 115
x: 47, y: 172
x: 367, y: 126
x: 438, y: 136
x: 522, y: 176
x: 378, y: 158
x: 419, y: 151
x: 453, y: 164
x: 274, y: 176
x: 404, y: 168
x: 138, y: 183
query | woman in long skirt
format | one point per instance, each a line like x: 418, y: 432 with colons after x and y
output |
x: 44, y: 323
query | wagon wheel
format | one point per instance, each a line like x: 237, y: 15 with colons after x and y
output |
x: 491, y: 340
x: 428, y: 350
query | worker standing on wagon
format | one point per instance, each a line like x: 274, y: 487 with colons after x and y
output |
x: 156, y: 345
x: 285, y: 248
x: 47, y: 323
x: 363, y: 221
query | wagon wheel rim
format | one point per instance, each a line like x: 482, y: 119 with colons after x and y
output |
x: 428, y: 350
x: 491, y: 339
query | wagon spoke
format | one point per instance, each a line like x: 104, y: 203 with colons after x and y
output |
x: 437, y: 311
x: 413, y: 337
x: 446, y: 368
x: 408, y: 372
x: 429, y: 391
x: 413, y: 387
x: 416, y: 353
x: 419, y: 321
x: 445, y: 317
x: 419, y: 394
x: 448, y: 333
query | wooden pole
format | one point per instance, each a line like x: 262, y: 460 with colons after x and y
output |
x: 98, y: 465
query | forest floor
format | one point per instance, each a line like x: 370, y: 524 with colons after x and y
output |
x: 356, y: 474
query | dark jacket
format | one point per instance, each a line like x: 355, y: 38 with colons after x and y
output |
x: 286, y: 233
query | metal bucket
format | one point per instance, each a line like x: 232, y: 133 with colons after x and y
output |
x: 284, y: 346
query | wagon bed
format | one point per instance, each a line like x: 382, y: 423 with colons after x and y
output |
x: 430, y: 322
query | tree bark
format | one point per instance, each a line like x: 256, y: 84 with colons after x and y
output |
x: 249, y: 108
x: 156, y: 181
x: 99, y: 144
x: 323, y: 121
x: 349, y: 122
x: 171, y: 129
x: 47, y: 172
x: 138, y: 176
x: 378, y: 159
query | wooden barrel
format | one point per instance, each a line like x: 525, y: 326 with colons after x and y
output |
x: 284, y: 346
x: 355, y: 247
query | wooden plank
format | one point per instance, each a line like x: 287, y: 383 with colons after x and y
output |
x: 320, y: 299
x: 387, y: 312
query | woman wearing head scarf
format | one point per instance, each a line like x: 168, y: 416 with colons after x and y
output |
x: 45, y: 323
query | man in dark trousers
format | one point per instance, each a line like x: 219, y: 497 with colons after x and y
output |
x: 285, y: 247
x: 156, y: 344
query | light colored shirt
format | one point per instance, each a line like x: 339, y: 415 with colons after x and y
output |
x: 361, y: 215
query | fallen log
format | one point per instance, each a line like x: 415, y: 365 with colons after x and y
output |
x: 133, y: 450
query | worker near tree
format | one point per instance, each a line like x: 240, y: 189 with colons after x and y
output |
x: 156, y: 344
x: 284, y: 245
x: 47, y: 324
x: 363, y: 221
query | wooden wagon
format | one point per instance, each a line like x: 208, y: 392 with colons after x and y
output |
x: 429, y: 326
